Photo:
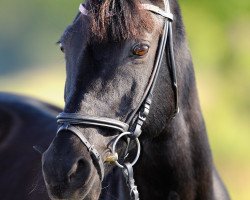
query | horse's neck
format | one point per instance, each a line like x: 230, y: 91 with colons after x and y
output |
x: 176, y: 159
x: 172, y: 164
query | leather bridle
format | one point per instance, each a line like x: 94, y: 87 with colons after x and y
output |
x: 132, y: 127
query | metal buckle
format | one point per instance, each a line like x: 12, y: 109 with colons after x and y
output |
x: 142, y: 116
x: 139, y: 122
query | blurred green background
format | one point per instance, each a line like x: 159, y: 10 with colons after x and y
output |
x: 219, y: 37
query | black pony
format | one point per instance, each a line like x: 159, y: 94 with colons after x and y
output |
x: 110, y: 55
x: 110, y: 50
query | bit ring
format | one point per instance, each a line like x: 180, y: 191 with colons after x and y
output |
x: 137, y: 144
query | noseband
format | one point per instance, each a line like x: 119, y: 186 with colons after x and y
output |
x: 132, y: 127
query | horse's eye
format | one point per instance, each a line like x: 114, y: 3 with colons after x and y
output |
x: 140, y: 49
x: 61, y: 47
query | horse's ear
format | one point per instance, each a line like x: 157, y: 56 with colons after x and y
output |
x: 39, y: 149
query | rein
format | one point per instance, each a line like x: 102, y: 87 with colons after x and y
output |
x: 132, y: 127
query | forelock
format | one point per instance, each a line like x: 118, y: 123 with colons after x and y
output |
x: 118, y: 19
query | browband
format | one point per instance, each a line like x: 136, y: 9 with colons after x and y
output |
x: 157, y: 10
x: 83, y: 10
x: 149, y: 7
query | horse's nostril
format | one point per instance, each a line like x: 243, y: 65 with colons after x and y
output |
x: 80, y: 170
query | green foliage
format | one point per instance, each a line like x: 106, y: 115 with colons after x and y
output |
x: 30, y: 30
x: 218, y: 33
